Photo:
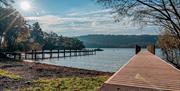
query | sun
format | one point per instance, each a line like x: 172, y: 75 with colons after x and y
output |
x: 25, y: 5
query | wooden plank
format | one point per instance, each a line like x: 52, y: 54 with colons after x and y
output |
x: 144, y: 72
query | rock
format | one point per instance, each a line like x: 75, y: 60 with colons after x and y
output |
x: 28, y: 82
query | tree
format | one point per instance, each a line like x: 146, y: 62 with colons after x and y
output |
x: 12, y: 26
x: 17, y: 35
x: 53, y: 41
x: 163, y: 13
x: 170, y: 46
x: 37, y: 34
x: 5, y: 3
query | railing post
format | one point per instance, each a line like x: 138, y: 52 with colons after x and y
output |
x: 42, y: 54
x: 64, y: 53
x: 83, y: 52
x: 138, y: 49
x: 80, y: 53
x: 75, y: 52
x: 58, y: 53
x: 70, y: 52
x: 32, y: 54
x: 35, y: 54
x: 19, y: 56
x: 87, y: 52
x: 51, y: 53
x: 25, y: 55
x: 14, y: 56
x: 151, y: 48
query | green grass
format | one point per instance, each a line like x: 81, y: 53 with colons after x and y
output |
x: 68, y: 84
x: 9, y: 75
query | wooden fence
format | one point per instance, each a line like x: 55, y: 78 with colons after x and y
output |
x: 45, y: 54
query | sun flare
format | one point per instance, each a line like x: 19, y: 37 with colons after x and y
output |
x: 25, y: 5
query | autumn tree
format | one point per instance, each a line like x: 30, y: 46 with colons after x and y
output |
x: 12, y: 26
x: 170, y: 46
x: 5, y: 11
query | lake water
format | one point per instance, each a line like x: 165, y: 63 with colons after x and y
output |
x: 109, y: 60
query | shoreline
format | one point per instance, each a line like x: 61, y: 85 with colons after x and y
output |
x: 31, y: 61
x: 29, y: 71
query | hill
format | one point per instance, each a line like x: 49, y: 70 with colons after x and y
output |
x: 117, y: 41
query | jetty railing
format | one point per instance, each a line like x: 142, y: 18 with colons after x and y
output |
x: 47, y: 54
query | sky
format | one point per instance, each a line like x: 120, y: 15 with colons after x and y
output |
x: 78, y: 17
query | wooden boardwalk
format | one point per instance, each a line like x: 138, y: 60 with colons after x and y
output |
x: 144, y: 72
x: 46, y: 54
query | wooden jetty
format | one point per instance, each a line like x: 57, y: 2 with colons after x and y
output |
x: 45, y: 54
x: 144, y: 72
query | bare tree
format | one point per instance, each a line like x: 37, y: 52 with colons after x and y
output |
x: 163, y: 13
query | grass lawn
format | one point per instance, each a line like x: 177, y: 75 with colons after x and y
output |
x: 67, y: 84
x: 25, y: 76
x: 9, y: 75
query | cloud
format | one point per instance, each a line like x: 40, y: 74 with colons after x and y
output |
x: 89, y: 22
x: 85, y: 13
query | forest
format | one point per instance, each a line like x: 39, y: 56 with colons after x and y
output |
x: 16, y: 34
x: 117, y: 41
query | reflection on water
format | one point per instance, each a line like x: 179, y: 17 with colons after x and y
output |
x: 109, y: 60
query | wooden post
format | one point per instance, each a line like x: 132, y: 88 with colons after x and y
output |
x: 64, y: 53
x: 35, y: 54
x: 70, y: 52
x: 75, y: 52
x: 25, y: 55
x: 138, y: 49
x: 85, y: 52
x: 19, y: 56
x: 58, y: 53
x: 88, y: 51
x: 151, y: 48
x: 14, y: 56
x: 42, y: 54
x: 79, y: 52
x: 32, y: 54
x: 51, y: 53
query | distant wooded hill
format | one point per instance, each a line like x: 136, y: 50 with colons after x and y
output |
x: 117, y: 41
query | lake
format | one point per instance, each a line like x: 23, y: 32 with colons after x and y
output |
x: 109, y: 60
